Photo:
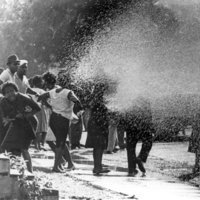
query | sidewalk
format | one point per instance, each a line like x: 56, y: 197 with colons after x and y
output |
x: 166, y: 162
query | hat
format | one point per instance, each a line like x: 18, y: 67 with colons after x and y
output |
x: 12, y: 58
x: 23, y: 62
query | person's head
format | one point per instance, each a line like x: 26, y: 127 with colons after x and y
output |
x: 13, y: 63
x: 49, y: 80
x: 64, y: 79
x: 37, y: 81
x: 30, y: 81
x: 22, y: 68
x: 99, y: 91
x: 10, y: 90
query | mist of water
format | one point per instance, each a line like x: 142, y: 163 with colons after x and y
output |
x: 131, y: 52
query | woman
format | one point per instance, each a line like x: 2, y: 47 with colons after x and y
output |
x: 19, y: 122
x: 62, y: 102
x: 37, y: 85
x: 98, y: 128
x: 49, y: 80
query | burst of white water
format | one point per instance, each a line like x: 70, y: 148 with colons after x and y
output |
x: 131, y: 52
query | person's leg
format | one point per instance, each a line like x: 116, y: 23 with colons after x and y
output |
x: 131, y: 152
x: 63, y: 132
x: 94, y: 159
x: 120, y: 134
x: 37, y: 141
x: 196, y: 169
x: 76, y: 132
x: 111, y: 137
x: 67, y: 156
x: 80, y: 130
x: 43, y: 138
x: 57, y: 161
x: 27, y: 158
x: 147, y: 142
x: 55, y: 127
x: 97, y: 156
x: 86, y: 116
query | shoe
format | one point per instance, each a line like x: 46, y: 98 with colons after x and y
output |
x: 101, y: 171
x: 58, y: 170
x: 134, y: 173
x: 108, y: 152
x: 73, y: 147
x: 116, y: 149
x: 140, y: 165
x: 143, y: 175
x: 70, y: 168
x: 123, y: 147
x: 105, y: 165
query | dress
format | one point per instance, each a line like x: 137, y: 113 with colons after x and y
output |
x: 20, y: 132
x: 42, y: 115
x: 98, y: 127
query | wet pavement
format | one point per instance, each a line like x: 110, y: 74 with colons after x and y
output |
x: 153, y: 186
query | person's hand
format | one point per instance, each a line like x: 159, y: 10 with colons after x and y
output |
x: 37, y: 95
x: 58, y: 90
x: 79, y: 113
x: 6, y: 121
x: 19, y: 116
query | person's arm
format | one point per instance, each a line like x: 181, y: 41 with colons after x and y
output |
x: 5, y: 120
x: 43, y: 99
x: 32, y: 92
x: 32, y: 105
x: 72, y: 97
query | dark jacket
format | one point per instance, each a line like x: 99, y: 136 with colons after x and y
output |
x: 21, y: 131
x: 98, y: 126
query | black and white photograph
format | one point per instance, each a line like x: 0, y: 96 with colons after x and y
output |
x: 99, y: 99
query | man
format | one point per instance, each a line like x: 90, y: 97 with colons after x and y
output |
x: 8, y: 74
x: 138, y: 126
x: 21, y: 80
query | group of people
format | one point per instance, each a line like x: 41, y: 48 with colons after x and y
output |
x: 32, y: 109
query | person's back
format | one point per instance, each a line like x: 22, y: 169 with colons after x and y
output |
x: 61, y: 104
x: 138, y: 126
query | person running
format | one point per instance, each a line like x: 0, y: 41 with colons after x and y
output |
x: 76, y: 129
x: 19, y: 122
x: 62, y: 101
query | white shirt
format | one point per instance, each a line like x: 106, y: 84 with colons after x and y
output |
x: 6, y: 76
x: 61, y: 104
x: 23, y: 84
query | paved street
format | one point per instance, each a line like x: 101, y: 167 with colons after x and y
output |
x: 157, y: 185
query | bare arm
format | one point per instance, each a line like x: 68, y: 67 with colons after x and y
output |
x: 72, y: 97
x: 43, y: 99
x: 30, y: 91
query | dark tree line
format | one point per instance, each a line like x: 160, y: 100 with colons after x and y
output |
x: 59, y: 31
